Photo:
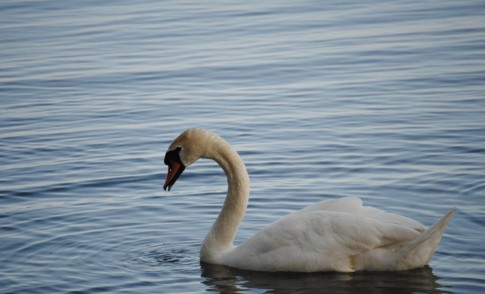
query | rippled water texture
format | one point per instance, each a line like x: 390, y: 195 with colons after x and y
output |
x: 323, y: 99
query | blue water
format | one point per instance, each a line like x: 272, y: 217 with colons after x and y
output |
x: 323, y: 99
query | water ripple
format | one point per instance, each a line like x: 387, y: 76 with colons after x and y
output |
x: 378, y: 100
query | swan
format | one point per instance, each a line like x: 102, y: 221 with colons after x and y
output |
x: 332, y: 235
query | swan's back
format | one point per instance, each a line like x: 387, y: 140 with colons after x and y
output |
x: 354, y: 205
x: 331, y: 235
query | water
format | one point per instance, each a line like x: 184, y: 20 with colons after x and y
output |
x: 323, y: 99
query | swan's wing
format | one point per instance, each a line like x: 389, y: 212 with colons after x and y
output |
x: 355, y: 206
x: 345, y: 204
x: 317, y: 238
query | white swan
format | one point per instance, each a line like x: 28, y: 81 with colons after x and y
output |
x: 331, y: 235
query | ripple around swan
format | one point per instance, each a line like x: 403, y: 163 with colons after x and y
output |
x: 144, y: 256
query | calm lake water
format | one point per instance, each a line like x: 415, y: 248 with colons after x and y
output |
x: 323, y: 99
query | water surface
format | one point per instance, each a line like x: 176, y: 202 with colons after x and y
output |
x: 323, y: 99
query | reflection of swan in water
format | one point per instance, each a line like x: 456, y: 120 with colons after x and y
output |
x: 224, y: 279
x: 332, y: 235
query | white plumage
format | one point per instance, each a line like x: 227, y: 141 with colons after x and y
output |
x: 331, y: 235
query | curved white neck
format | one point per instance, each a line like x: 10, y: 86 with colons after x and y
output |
x: 220, y: 237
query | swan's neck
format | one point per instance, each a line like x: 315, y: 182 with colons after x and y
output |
x: 219, y: 239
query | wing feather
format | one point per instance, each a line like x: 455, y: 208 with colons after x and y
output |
x: 331, y: 229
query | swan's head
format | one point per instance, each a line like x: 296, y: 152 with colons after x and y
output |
x: 185, y: 150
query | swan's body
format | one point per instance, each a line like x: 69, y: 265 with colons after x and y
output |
x: 331, y: 235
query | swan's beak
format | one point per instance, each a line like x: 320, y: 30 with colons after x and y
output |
x: 175, y: 169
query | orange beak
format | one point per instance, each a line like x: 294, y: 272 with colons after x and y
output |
x: 175, y: 169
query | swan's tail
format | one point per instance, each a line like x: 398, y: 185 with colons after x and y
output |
x: 418, y: 252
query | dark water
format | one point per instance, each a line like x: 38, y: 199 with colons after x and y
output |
x: 323, y: 99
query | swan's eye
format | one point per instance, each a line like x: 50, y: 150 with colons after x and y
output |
x: 173, y: 155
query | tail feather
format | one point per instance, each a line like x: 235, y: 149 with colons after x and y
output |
x: 419, y: 251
